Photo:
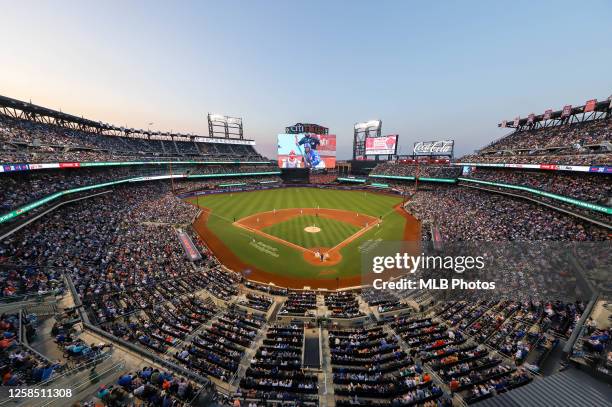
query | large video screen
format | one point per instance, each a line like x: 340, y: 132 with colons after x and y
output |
x: 381, y: 145
x: 307, y: 150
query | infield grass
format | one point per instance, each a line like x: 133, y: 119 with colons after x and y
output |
x: 332, y: 231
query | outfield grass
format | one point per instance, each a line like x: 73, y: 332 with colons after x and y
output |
x: 332, y: 231
x: 287, y: 261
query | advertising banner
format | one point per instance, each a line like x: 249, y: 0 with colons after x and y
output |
x: 554, y: 167
x: 385, y: 145
x: 530, y: 118
x: 442, y: 147
x: 14, y: 167
x: 191, y: 251
x: 549, y: 167
x: 69, y: 165
x: 590, y: 105
x: 567, y: 111
x: 605, y: 169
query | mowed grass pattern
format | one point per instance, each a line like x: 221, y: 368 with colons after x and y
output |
x: 292, y: 230
x: 227, y: 208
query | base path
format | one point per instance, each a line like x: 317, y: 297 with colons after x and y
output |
x: 255, y: 223
x: 262, y: 220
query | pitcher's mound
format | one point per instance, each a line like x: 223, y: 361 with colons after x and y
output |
x: 312, y: 229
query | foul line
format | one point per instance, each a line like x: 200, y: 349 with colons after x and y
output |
x: 354, y: 236
x: 288, y: 243
x: 278, y: 239
x: 337, y: 247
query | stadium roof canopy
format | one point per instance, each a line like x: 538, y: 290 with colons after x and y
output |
x: 27, y: 111
x: 594, y: 111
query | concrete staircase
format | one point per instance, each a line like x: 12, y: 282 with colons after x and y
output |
x: 326, y: 381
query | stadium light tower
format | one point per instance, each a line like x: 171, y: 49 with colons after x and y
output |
x: 224, y: 126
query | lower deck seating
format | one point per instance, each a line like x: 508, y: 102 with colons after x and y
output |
x: 276, y: 373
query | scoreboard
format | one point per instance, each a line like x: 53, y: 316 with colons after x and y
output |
x: 306, y: 128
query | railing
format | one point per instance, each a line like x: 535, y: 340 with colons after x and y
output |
x: 27, y: 297
x: 53, y: 381
x: 41, y: 309
x: 12, y: 228
x: 538, y: 201
x: 83, y: 384
x: 24, y: 342
x: 130, y: 346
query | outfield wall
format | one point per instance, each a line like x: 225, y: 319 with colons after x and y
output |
x: 264, y: 187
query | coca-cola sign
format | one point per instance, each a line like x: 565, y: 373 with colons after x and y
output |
x: 443, y: 147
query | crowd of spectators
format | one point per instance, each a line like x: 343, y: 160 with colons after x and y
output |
x: 517, y: 329
x: 383, y: 300
x: 165, y: 209
x: 594, y: 345
x: 266, y: 288
x: 410, y: 170
x: 393, y: 377
x: 130, y: 271
x: 343, y: 304
x: 149, y: 386
x: 18, y: 366
x: 275, y: 374
x: 574, y: 135
x: 555, y: 159
x: 586, y: 143
x: 258, y: 302
x: 247, y: 182
x: 299, y: 303
x: 442, y: 343
x: 322, y: 178
x: 19, y: 188
x: 16, y: 282
x: 217, y: 352
x: 595, y: 188
x: 229, y: 169
x: 155, y: 320
x: 28, y: 141
x: 461, y: 214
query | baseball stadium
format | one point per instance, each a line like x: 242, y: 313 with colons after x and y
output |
x: 393, y: 205
x: 200, y: 259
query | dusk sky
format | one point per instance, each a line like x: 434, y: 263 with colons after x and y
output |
x: 428, y: 70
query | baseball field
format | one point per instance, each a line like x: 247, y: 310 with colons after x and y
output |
x: 299, y: 237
